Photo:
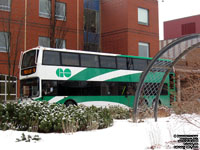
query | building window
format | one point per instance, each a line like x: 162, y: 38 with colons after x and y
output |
x: 60, y: 43
x: 45, y: 8
x: 5, y: 5
x: 4, y: 41
x: 90, y: 20
x: 44, y: 41
x: 60, y: 12
x: 188, y: 28
x: 143, y: 16
x: 143, y: 49
x: 91, y: 47
x: 8, y: 89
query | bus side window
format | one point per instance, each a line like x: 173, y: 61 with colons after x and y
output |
x: 109, y: 88
x: 122, y: 89
x: 89, y: 60
x: 108, y: 62
x: 51, y: 58
x: 122, y: 63
x: 104, y: 89
x: 70, y: 59
x: 112, y: 88
x: 131, y: 89
x: 49, y: 88
x: 140, y: 64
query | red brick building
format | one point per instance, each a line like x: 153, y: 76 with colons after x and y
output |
x: 177, y: 28
x: 127, y: 27
x: 181, y: 27
x: 43, y: 23
x: 129, y: 24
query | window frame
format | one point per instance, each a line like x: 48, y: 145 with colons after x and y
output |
x: 51, y: 64
x: 3, y: 90
x: 139, y: 16
x: 78, y: 65
x: 6, y: 50
x: 44, y: 38
x: 87, y: 23
x: 121, y: 68
x: 44, y: 14
x: 63, y: 43
x: 100, y: 59
x: 146, y: 44
x: 59, y: 17
x: 98, y: 62
x: 6, y: 7
x: 35, y: 52
x: 139, y: 68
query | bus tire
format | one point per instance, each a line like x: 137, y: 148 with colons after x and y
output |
x: 70, y: 102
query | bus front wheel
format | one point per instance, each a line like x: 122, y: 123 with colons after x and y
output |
x: 70, y: 102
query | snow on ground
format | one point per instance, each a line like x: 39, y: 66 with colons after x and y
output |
x: 123, y: 135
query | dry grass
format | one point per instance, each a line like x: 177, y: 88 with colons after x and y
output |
x: 186, y: 107
x: 163, y: 111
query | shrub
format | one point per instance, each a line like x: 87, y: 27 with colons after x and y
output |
x: 45, y: 117
x: 188, y: 107
x: 118, y: 112
x: 29, y: 138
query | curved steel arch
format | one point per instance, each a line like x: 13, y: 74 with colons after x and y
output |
x: 156, y: 65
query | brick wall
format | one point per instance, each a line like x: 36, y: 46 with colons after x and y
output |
x: 120, y: 29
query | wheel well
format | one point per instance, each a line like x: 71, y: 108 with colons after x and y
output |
x: 70, y: 102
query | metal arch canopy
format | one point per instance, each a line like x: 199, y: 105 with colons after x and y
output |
x: 151, y: 67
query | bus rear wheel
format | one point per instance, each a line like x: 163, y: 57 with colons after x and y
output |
x: 70, y: 102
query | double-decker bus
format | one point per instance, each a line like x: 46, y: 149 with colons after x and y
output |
x: 92, y: 78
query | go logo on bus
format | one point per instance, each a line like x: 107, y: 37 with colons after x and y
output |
x: 61, y: 73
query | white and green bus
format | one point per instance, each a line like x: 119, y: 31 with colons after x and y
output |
x: 91, y: 78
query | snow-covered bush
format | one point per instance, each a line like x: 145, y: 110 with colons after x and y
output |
x: 45, y: 117
x: 119, y: 112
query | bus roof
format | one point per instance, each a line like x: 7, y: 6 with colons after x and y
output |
x: 89, y: 52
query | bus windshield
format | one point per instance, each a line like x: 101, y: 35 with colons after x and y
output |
x: 29, y: 59
x: 29, y: 87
